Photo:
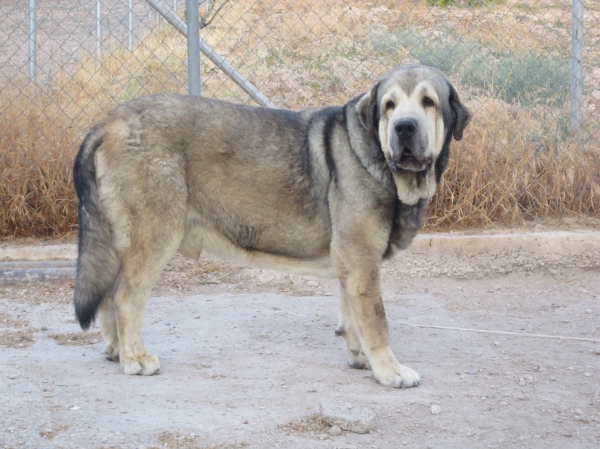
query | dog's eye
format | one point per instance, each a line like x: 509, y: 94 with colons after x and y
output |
x: 428, y: 102
x: 389, y: 105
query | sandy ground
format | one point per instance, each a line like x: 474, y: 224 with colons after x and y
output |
x: 247, y: 356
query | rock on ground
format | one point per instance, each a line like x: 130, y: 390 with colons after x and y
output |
x: 358, y: 419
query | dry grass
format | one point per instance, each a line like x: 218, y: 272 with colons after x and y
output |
x: 172, y: 440
x: 504, y: 173
x: 36, y: 193
x: 311, y: 424
x: 20, y: 339
x: 514, y: 165
x: 78, y: 339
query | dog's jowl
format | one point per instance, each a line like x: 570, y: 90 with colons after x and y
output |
x: 328, y: 192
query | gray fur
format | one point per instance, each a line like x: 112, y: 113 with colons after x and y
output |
x: 319, y: 191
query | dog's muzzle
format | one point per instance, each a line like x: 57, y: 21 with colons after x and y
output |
x: 404, y: 150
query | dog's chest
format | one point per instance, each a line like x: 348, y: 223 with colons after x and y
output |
x: 407, y: 222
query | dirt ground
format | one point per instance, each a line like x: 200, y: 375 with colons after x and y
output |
x: 247, y: 355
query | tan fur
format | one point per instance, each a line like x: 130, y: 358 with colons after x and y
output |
x: 308, y: 192
x: 410, y: 189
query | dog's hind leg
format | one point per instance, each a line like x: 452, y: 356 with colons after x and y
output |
x: 141, y: 268
x: 109, y: 329
x: 108, y: 323
x: 347, y: 329
x: 142, y: 193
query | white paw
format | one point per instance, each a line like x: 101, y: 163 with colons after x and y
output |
x: 111, y: 352
x: 146, y: 365
x: 396, y: 376
x: 358, y: 360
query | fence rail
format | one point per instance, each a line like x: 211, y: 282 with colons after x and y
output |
x: 529, y: 68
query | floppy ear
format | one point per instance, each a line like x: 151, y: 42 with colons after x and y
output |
x: 462, y: 114
x: 368, y: 112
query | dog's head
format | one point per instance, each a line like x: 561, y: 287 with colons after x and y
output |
x: 414, y: 111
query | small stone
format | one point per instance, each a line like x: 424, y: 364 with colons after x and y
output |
x: 552, y: 378
x: 521, y: 381
x: 588, y: 311
x: 312, y: 283
x: 44, y: 328
x: 497, y: 343
x: 503, y: 403
x: 354, y: 419
x: 196, y: 317
x: 328, y: 294
x: 75, y: 408
x: 13, y: 376
x: 587, y: 374
x: 436, y: 410
x: 17, y: 339
x: 335, y: 431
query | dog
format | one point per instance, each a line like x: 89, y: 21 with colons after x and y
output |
x: 327, y: 192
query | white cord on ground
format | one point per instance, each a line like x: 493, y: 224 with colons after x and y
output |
x: 519, y: 334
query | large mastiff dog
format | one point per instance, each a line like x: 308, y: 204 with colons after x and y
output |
x: 329, y: 191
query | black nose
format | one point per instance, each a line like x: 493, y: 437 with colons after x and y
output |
x: 405, y: 128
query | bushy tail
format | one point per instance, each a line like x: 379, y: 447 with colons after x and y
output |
x: 97, y: 261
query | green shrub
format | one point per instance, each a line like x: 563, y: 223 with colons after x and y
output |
x: 440, y: 3
x: 444, y: 3
x: 528, y: 78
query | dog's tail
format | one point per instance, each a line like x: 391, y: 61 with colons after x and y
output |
x: 97, y: 261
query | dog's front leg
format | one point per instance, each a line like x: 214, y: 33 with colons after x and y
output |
x: 361, y: 297
x: 356, y: 357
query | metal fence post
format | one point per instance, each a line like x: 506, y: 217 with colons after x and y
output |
x: 211, y: 54
x: 577, y: 67
x: 193, y: 46
x: 130, y: 25
x: 32, y: 38
x: 99, y: 28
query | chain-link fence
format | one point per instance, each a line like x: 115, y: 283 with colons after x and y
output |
x: 531, y: 152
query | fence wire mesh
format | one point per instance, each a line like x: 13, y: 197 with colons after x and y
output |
x: 521, y: 161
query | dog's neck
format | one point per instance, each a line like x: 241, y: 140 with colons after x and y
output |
x: 415, y: 186
x: 367, y: 149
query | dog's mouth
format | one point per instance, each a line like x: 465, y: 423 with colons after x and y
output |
x: 408, y: 161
